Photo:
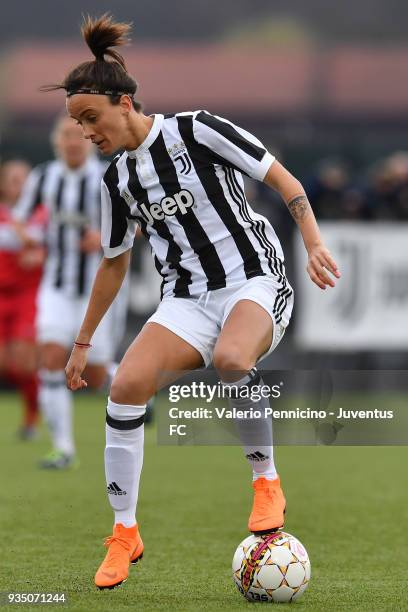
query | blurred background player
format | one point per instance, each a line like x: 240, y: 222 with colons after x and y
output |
x: 21, y: 262
x: 69, y: 187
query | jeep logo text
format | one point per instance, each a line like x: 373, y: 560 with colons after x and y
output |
x: 169, y: 206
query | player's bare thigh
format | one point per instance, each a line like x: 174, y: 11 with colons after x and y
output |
x: 247, y: 334
x: 151, y: 361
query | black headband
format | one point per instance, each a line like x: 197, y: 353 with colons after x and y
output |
x: 100, y: 92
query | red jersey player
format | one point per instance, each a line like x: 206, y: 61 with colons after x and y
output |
x: 21, y: 259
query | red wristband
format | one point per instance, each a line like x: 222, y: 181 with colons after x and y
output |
x: 82, y: 344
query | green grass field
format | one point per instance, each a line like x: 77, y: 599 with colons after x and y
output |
x: 349, y: 507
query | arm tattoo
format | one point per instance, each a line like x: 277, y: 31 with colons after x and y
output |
x: 299, y: 207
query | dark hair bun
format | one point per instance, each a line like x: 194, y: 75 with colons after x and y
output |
x: 102, y: 33
x: 107, y: 75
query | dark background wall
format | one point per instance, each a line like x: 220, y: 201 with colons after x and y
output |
x: 186, y: 20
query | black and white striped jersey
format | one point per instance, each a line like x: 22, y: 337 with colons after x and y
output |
x: 184, y: 187
x: 72, y: 198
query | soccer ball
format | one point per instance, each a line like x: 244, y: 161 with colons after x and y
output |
x: 271, y: 568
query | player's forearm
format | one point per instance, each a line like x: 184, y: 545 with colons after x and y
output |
x: 302, y: 213
x: 296, y: 200
x: 108, y: 280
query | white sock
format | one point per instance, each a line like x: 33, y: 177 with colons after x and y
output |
x: 124, y: 459
x: 255, y: 434
x: 46, y: 378
x: 56, y: 406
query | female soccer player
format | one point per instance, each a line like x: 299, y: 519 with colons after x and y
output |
x: 69, y: 187
x: 21, y: 262
x: 225, y: 296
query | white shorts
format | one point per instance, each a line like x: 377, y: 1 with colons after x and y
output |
x: 59, y: 318
x: 199, y: 320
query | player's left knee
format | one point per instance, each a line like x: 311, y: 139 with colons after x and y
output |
x: 231, y: 358
x: 134, y: 392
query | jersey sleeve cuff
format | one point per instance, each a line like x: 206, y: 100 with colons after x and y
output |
x: 263, y: 167
x: 109, y: 252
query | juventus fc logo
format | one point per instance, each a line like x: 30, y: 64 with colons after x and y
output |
x: 179, y: 154
x: 185, y: 162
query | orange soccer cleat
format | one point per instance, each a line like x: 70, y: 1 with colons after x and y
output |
x: 268, y: 508
x: 125, y: 546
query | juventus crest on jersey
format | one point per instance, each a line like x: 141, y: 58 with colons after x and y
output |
x: 73, y: 200
x: 183, y: 185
